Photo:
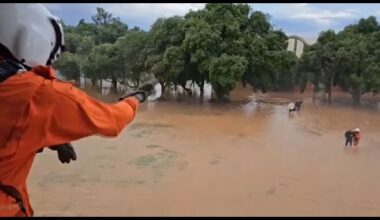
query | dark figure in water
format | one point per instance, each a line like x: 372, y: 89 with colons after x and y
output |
x: 295, y: 106
x: 349, y: 135
x: 298, y: 105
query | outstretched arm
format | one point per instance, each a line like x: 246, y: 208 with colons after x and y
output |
x: 60, y: 113
x: 76, y: 115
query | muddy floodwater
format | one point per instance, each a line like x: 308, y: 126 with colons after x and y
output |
x: 189, y: 159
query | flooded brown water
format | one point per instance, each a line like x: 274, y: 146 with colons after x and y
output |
x: 188, y: 159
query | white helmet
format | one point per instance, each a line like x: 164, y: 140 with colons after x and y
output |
x: 357, y: 130
x: 291, y: 105
x: 30, y: 34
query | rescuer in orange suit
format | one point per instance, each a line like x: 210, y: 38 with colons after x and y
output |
x: 36, y: 109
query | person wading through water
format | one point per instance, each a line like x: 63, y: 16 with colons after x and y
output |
x: 349, y: 135
x: 352, y: 135
x: 356, y: 136
x: 295, y: 106
x: 39, y: 111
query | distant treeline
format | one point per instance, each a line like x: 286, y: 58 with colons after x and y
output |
x: 222, y: 44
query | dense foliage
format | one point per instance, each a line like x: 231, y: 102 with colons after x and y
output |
x: 348, y: 59
x: 222, y: 44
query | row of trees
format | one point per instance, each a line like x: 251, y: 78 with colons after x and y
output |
x: 348, y: 59
x: 222, y: 44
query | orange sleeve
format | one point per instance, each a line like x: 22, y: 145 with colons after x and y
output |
x: 74, y: 115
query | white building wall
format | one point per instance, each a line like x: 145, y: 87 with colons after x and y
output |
x: 291, y: 44
x: 296, y: 46
x: 300, y: 46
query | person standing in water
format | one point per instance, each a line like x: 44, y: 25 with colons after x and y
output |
x: 298, y: 105
x: 352, y: 135
x: 356, y: 136
x: 291, y: 107
x: 295, y: 106
x: 349, y: 135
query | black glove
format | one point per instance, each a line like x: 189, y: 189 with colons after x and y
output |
x: 65, y: 152
x: 143, y: 91
x: 148, y: 87
x: 139, y: 94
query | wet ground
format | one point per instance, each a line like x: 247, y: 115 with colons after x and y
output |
x: 188, y: 159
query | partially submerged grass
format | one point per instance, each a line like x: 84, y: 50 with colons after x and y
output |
x: 147, y: 128
x: 153, y: 146
x: 159, y: 163
x: 148, y: 125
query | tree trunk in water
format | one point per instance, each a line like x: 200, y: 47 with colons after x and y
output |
x: 93, y: 82
x: 175, y: 92
x: 163, y: 87
x: 221, y: 97
x: 137, y: 83
x: 201, y: 91
x: 220, y: 94
x: 114, y: 84
x: 188, y: 91
x: 315, y: 91
x: 329, y: 96
x: 84, y: 81
x: 101, y: 83
x: 330, y: 89
x: 314, y: 95
x: 356, y: 97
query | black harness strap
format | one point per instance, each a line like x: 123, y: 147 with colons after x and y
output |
x: 8, y: 68
x: 14, y: 193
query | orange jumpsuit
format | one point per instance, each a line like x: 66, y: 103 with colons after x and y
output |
x: 37, y: 110
x: 356, y: 138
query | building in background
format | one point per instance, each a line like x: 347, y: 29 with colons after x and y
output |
x: 296, y: 45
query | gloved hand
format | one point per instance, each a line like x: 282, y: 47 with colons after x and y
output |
x: 148, y: 87
x: 65, y: 152
x: 143, y: 91
x: 139, y: 94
